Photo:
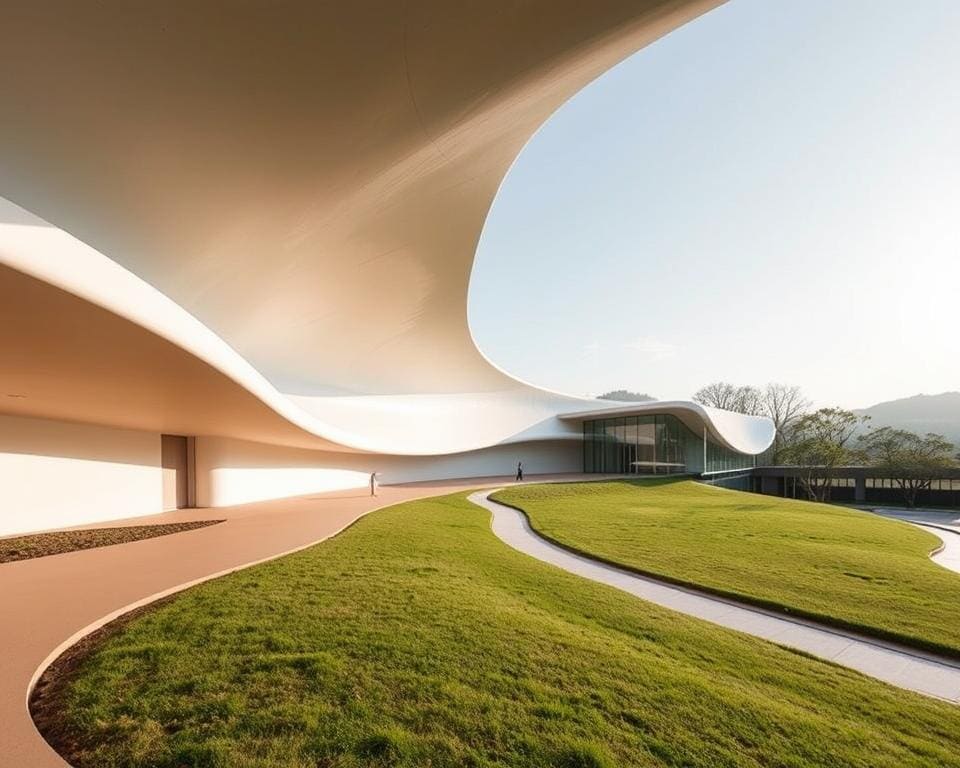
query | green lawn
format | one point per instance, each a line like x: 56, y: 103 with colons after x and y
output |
x: 836, y: 564
x: 416, y: 638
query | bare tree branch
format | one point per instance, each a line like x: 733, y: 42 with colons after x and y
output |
x: 783, y: 404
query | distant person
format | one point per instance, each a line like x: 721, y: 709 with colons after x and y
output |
x: 519, y: 471
x: 373, y: 484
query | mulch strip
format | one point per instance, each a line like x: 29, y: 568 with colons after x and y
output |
x: 58, y: 542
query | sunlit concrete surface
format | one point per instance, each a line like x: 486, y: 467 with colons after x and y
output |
x: 905, y: 668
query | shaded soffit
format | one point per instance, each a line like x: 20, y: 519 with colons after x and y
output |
x: 307, y: 181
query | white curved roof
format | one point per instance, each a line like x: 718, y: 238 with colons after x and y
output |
x: 283, y: 210
x: 741, y: 433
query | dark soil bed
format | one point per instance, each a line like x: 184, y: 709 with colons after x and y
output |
x: 56, y: 543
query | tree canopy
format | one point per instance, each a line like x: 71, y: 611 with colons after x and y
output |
x: 626, y: 396
x: 783, y: 404
x: 911, y: 460
x: 820, y: 442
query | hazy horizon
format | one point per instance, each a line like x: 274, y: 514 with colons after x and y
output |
x: 767, y: 194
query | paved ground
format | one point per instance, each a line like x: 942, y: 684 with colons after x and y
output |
x: 49, y: 603
x: 913, y: 670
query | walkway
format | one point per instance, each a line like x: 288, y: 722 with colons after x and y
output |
x: 944, y: 524
x: 913, y: 670
x: 49, y: 603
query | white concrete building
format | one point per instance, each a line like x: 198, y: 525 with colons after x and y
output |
x: 251, y: 230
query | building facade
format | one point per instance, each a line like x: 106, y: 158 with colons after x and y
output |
x: 239, y: 277
x: 654, y: 445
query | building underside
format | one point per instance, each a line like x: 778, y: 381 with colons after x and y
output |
x: 254, y: 226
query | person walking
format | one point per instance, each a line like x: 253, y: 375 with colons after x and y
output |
x: 373, y: 484
x: 519, y: 471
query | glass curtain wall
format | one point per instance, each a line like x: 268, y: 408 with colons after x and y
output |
x: 633, y: 445
x: 720, y: 459
x: 653, y: 445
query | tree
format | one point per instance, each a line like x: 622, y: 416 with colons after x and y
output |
x: 749, y: 400
x: 781, y: 403
x: 912, y: 461
x: 820, y: 443
x: 719, y: 394
x: 626, y: 396
x: 784, y: 405
x: 729, y: 397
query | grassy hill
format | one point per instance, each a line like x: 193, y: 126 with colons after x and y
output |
x: 836, y: 565
x: 416, y: 639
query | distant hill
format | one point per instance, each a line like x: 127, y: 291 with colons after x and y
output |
x: 626, y: 396
x: 920, y: 414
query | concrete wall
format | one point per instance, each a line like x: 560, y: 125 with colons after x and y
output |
x: 238, y: 472
x: 56, y: 474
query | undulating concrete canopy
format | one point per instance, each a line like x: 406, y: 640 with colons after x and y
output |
x: 259, y: 221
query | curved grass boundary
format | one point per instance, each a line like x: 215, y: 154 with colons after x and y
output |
x: 735, y: 597
x: 418, y: 638
x: 47, y: 689
x: 33, y: 545
x: 920, y: 672
x: 115, y: 618
x: 783, y: 609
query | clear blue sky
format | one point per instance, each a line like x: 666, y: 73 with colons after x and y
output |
x: 770, y: 193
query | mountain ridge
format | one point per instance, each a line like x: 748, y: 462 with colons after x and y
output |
x: 921, y: 413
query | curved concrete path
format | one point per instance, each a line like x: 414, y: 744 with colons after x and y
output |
x: 944, y: 524
x: 49, y: 603
x: 902, y: 667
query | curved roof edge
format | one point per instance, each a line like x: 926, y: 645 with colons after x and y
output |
x: 736, y: 431
x: 263, y: 284
x: 391, y: 424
